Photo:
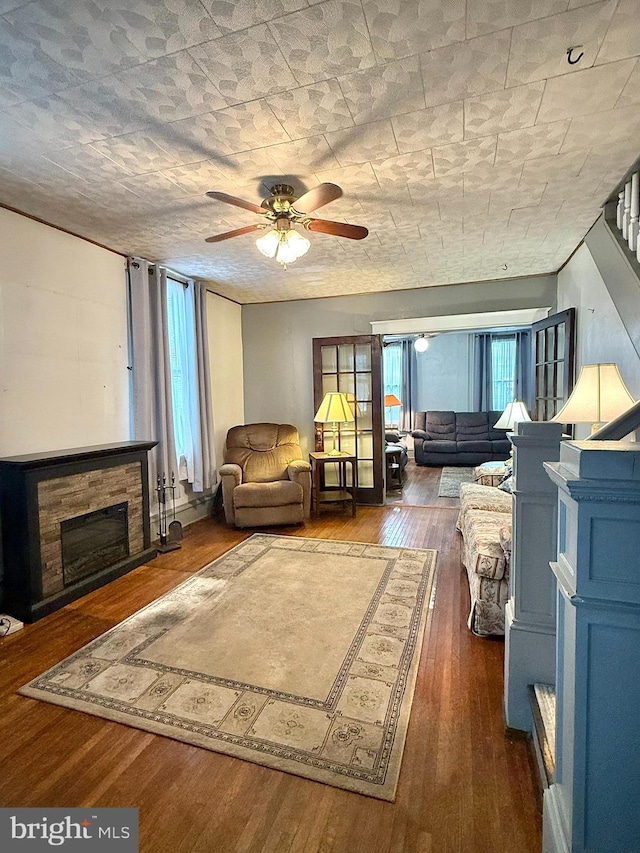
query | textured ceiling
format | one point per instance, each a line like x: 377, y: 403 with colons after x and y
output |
x: 460, y: 134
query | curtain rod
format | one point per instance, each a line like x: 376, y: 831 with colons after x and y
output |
x: 170, y: 273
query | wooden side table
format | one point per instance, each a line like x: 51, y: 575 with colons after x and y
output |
x: 342, y: 493
x: 393, y: 459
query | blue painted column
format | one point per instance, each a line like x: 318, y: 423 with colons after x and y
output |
x: 530, y: 613
x: 594, y: 804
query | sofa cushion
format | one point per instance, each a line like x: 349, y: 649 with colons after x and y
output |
x: 505, y: 539
x: 472, y: 426
x: 490, y: 473
x: 442, y: 447
x: 482, y: 550
x: 474, y: 446
x: 488, y: 600
x: 441, y: 426
x: 503, y: 446
x: 506, y: 484
x: 278, y: 493
x: 474, y: 496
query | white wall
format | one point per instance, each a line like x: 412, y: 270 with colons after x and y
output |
x: 63, y: 340
x: 224, y: 320
x: 443, y: 374
x: 601, y: 336
x: 277, y: 337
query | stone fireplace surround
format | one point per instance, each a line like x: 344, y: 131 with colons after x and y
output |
x: 39, y: 491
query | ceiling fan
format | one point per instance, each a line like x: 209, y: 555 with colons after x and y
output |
x: 281, y: 210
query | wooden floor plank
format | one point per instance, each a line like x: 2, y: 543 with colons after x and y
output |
x: 465, y: 786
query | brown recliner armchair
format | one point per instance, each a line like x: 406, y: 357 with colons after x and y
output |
x: 265, y: 480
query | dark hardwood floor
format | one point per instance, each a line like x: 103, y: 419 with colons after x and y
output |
x: 465, y: 786
x: 420, y: 488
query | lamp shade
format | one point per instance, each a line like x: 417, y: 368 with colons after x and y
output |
x: 391, y: 400
x: 421, y: 344
x: 334, y: 408
x: 514, y: 413
x: 599, y: 396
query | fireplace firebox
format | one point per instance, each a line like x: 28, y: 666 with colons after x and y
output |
x: 72, y: 521
x: 93, y: 541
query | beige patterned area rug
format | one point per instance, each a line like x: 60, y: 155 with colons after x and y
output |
x: 299, y: 654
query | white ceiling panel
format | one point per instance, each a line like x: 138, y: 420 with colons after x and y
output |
x: 538, y: 49
x: 467, y: 68
x: 404, y: 27
x: 631, y: 92
x: 459, y: 132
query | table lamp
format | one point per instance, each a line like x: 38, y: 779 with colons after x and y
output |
x: 334, y: 409
x: 390, y: 402
x: 599, y: 396
x: 514, y: 413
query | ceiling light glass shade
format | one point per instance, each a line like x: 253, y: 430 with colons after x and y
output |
x: 514, y: 413
x: 599, y: 396
x: 268, y: 243
x: 285, y: 246
x: 297, y: 243
x: 421, y: 344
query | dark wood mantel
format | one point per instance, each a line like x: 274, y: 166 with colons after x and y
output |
x: 75, y: 454
x: 38, y: 490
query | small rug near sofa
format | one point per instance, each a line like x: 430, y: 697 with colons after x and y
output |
x: 451, y: 479
x: 299, y: 654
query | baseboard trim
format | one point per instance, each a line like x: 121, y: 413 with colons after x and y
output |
x: 554, y: 834
x: 188, y: 513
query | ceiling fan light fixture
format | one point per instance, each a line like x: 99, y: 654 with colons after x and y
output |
x: 286, y: 245
x: 421, y: 343
x: 294, y: 245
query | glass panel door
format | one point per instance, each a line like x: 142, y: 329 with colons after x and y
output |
x: 554, y: 356
x: 352, y: 365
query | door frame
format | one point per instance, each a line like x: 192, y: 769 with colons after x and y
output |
x: 372, y: 495
x: 568, y: 318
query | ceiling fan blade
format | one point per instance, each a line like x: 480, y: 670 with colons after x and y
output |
x: 238, y: 202
x: 317, y: 197
x: 217, y: 238
x: 337, y: 229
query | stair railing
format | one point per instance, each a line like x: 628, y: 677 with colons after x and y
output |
x: 620, y: 427
x: 628, y: 213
